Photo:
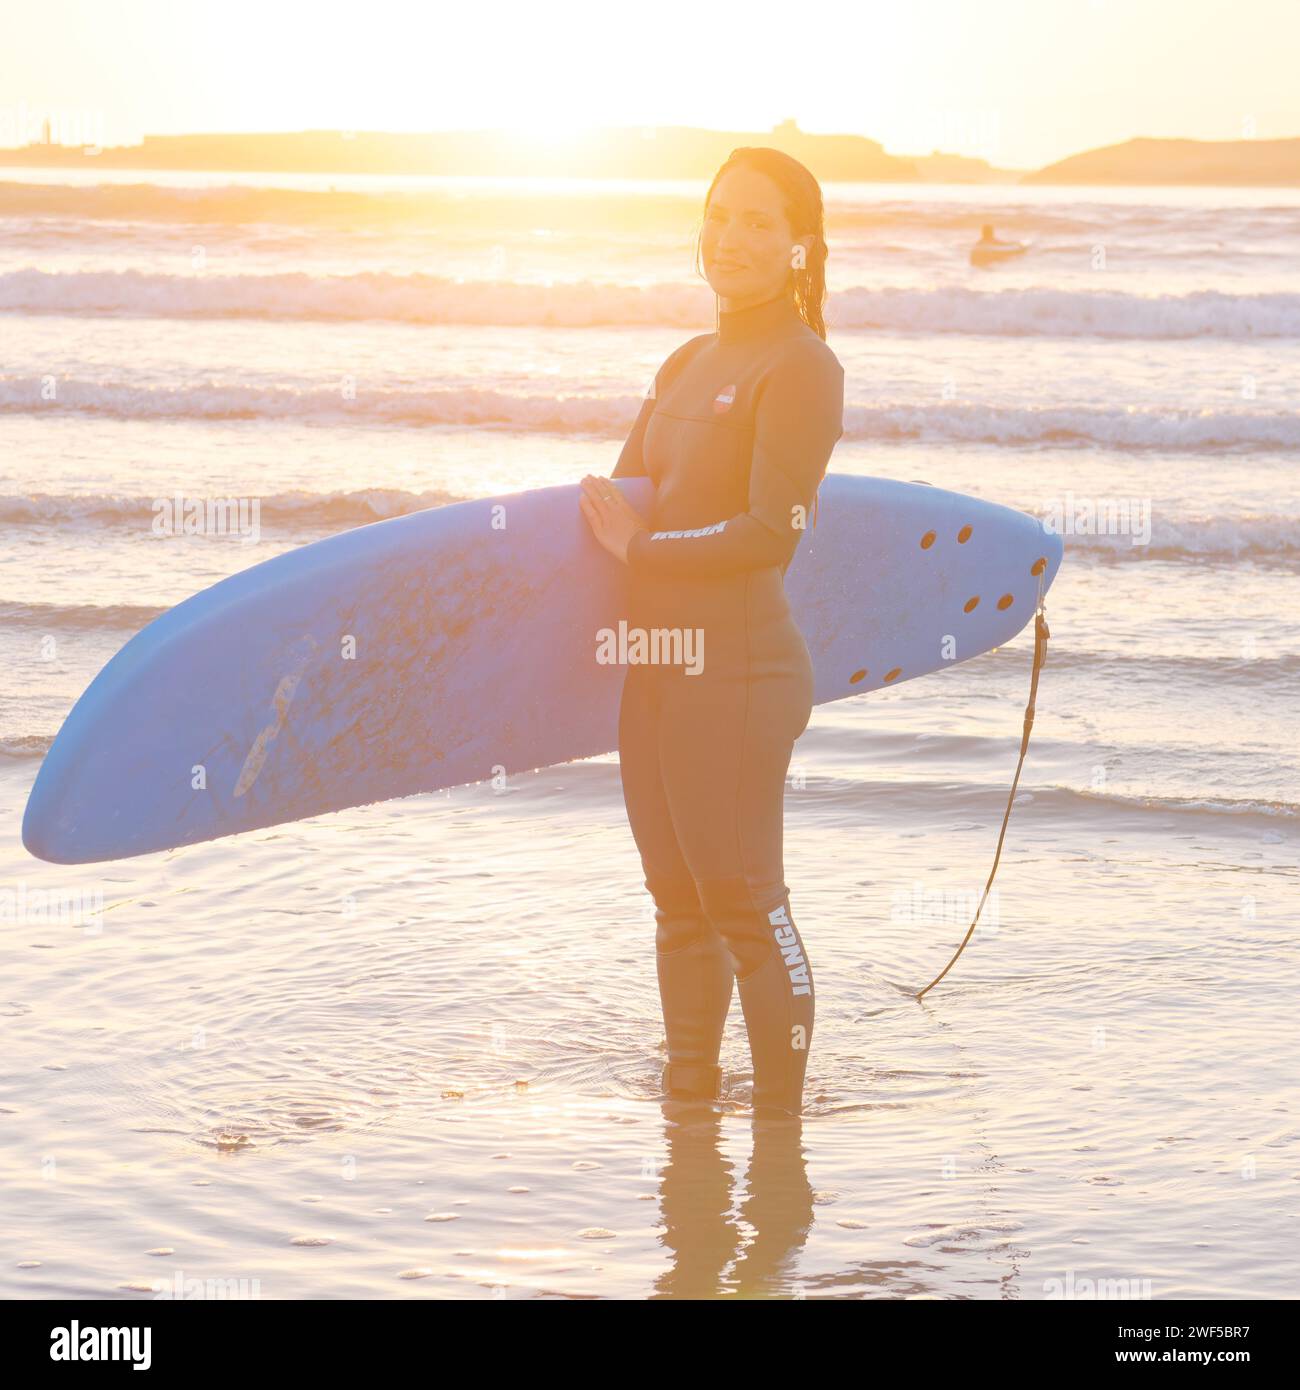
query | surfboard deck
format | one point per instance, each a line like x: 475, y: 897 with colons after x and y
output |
x: 450, y: 645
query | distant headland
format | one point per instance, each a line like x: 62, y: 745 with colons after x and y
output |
x: 1258, y: 163
x: 624, y: 152
x: 665, y: 152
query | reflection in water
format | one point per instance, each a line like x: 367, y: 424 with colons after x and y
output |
x: 777, y: 1206
x: 695, y: 1199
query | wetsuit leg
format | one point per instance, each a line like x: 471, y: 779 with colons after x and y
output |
x: 725, y: 747
x: 693, y: 962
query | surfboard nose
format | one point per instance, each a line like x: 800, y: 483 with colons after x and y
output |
x: 62, y: 809
x: 41, y: 838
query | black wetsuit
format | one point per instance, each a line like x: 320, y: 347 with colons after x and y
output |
x: 736, y: 435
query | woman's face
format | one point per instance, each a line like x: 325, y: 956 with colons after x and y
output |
x: 747, y: 243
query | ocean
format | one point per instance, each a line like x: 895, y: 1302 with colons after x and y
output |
x: 413, y: 1050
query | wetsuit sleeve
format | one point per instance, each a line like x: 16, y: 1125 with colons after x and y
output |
x: 797, y: 419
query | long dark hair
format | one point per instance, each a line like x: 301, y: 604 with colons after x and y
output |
x: 803, y: 207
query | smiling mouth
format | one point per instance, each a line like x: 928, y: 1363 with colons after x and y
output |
x: 727, y: 265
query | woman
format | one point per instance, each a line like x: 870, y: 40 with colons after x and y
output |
x: 735, y: 433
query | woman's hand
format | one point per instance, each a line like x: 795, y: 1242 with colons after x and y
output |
x: 610, y: 515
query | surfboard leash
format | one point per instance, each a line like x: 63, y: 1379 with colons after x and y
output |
x: 1041, y: 634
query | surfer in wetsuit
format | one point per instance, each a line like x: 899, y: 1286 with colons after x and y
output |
x: 735, y: 432
x: 987, y: 239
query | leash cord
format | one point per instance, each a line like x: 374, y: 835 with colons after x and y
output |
x: 1041, y: 634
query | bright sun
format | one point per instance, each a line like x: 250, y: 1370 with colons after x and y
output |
x: 552, y: 133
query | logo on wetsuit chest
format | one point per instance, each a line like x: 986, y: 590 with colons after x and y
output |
x: 724, y: 400
x: 787, y: 939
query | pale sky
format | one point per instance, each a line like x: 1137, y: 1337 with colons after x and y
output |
x: 1019, y: 82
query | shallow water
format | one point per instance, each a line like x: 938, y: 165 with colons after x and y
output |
x: 412, y: 1050
x: 339, y: 1029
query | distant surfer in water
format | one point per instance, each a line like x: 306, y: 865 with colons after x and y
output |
x: 990, y: 249
x: 735, y: 432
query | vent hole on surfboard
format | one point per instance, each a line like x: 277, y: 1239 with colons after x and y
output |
x: 1039, y: 565
x: 858, y: 676
x: 1005, y: 601
x: 890, y: 675
x: 971, y: 604
x: 963, y: 535
x: 927, y: 540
